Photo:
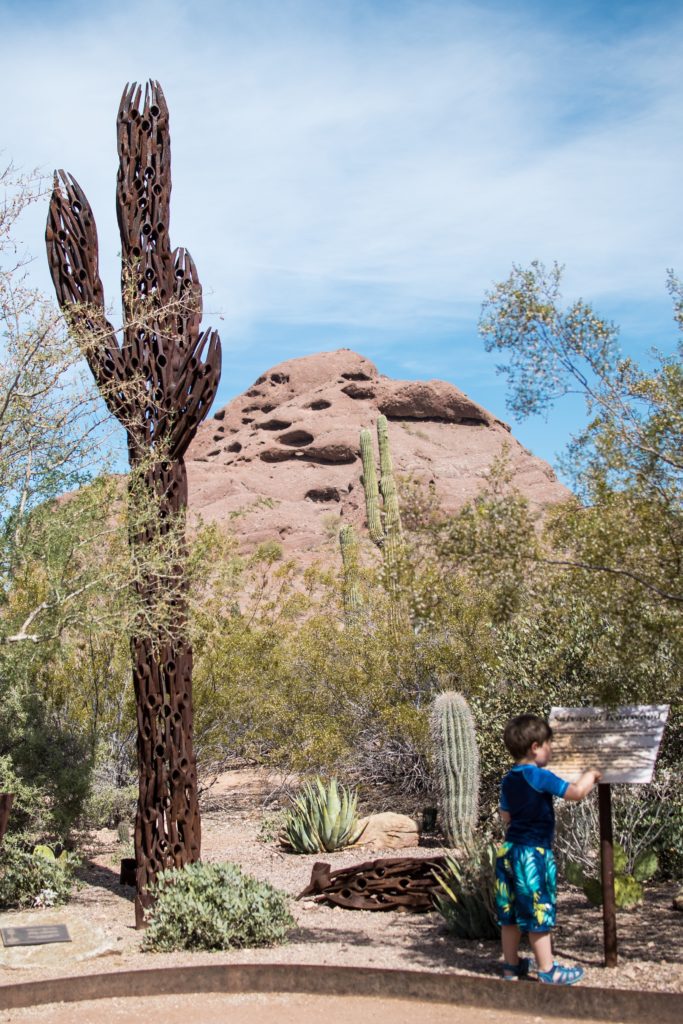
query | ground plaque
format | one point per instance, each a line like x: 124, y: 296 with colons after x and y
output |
x: 621, y: 742
x: 35, y: 935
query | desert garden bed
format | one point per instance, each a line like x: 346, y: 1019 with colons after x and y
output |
x: 650, y: 946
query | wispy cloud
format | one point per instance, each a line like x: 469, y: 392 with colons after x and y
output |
x: 373, y: 164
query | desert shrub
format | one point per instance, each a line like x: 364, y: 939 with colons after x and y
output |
x: 271, y: 826
x: 647, y: 817
x: 46, y: 763
x: 466, y: 896
x: 628, y: 885
x: 107, y: 806
x: 215, y: 906
x: 34, y: 878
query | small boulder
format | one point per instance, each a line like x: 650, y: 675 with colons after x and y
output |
x: 388, y: 831
x: 678, y: 900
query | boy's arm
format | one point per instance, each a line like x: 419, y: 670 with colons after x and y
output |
x: 582, y: 787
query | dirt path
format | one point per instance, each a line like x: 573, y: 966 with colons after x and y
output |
x: 267, y: 1009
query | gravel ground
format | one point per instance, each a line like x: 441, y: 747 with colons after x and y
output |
x: 650, y: 947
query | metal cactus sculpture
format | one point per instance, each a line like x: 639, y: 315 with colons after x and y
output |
x: 159, y: 382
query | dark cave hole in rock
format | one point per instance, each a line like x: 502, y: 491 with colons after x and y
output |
x: 279, y: 378
x: 333, y: 455
x: 274, y: 425
x: 218, y: 437
x: 323, y: 494
x: 455, y: 421
x: 319, y: 404
x: 357, y: 375
x: 297, y: 438
x: 220, y: 415
x: 247, y: 419
x: 235, y: 447
x: 216, y: 451
x: 356, y: 391
x: 271, y: 455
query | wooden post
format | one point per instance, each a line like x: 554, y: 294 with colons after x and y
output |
x: 609, y: 909
x: 6, y: 800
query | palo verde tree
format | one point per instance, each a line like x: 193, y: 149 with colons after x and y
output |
x: 627, y: 464
x: 159, y: 383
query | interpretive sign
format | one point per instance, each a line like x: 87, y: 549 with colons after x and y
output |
x: 622, y: 742
x: 35, y: 935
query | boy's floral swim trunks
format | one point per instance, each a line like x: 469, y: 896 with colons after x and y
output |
x: 526, y: 887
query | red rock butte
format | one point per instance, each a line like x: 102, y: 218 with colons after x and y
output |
x: 282, y: 460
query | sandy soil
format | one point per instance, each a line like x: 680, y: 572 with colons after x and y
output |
x: 650, y: 946
x: 268, y: 1009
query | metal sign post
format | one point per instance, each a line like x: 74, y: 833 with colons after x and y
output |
x: 622, y: 743
x: 609, y: 906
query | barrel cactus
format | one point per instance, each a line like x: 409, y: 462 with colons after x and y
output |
x: 456, y: 759
x: 323, y: 818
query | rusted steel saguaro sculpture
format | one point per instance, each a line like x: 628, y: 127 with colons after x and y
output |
x: 159, y: 382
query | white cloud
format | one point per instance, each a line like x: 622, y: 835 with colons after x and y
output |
x: 372, y: 172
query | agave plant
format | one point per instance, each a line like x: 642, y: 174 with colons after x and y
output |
x: 323, y: 818
x: 466, y: 897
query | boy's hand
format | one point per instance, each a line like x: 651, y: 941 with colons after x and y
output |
x: 582, y: 787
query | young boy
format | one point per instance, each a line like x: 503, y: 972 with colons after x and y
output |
x: 525, y: 866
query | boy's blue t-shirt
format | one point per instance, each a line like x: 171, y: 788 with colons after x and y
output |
x: 526, y: 793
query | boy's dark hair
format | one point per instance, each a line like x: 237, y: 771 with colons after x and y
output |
x: 522, y: 731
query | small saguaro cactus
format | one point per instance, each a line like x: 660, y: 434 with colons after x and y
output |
x: 348, y: 542
x: 456, y: 758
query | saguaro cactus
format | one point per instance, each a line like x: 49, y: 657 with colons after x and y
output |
x: 348, y: 543
x: 382, y: 509
x: 456, y: 757
x: 159, y: 382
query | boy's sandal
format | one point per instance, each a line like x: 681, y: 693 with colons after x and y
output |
x: 513, y: 972
x: 559, y: 975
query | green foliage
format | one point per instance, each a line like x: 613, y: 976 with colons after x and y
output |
x: 110, y: 806
x: 628, y: 886
x: 466, y: 900
x: 647, y: 818
x: 271, y: 826
x: 456, y: 759
x: 323, y: 818
x: 34, y: 878
x: 215, y: 906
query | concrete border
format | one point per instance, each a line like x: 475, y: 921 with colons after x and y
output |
x: 631, y: 1006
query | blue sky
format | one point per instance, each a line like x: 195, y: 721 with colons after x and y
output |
x: 359, y: 173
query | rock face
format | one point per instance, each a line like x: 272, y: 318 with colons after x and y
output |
x: 282, y: 460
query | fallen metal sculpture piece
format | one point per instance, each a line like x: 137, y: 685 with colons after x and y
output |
x: 392, y: 883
